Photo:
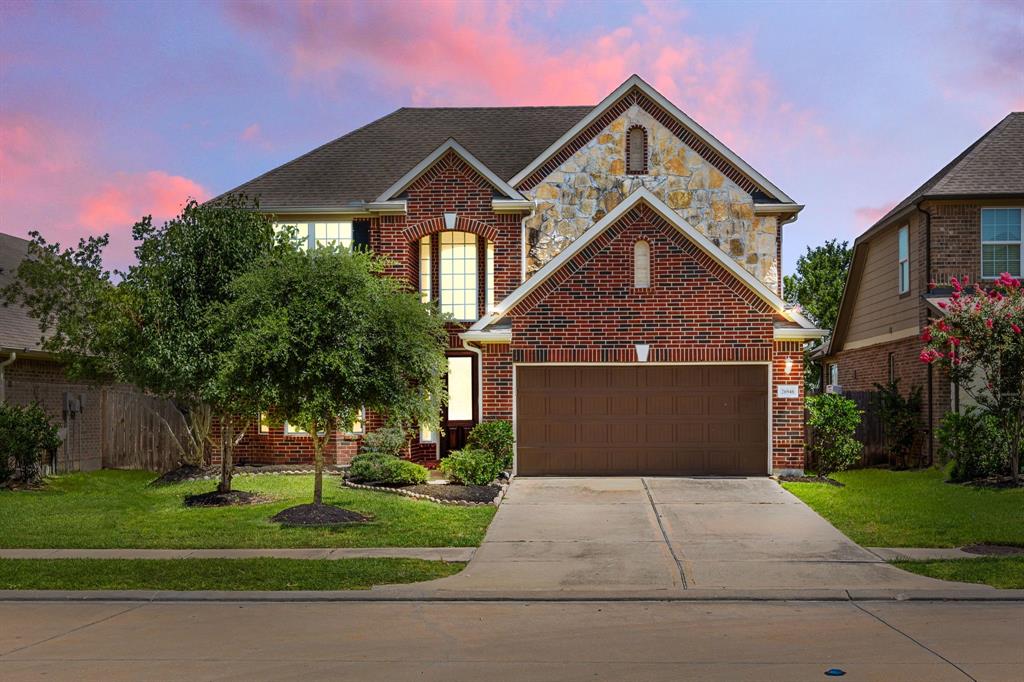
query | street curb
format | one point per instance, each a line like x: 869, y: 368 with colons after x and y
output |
x: 390, y: 594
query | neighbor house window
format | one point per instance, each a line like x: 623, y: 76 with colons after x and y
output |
x: 833, y: 374
x: 892, y: 367
x: 489, y: 297
x: 904, y: 259
x: 332, y: 233
x: 357, y: 425
x: 290, y: 430
x: 636, y: 151
x: 641, y: 265
x: 1000, y: 242
x: 299, y: 231
x: 264, y: 423
x: 459, y: 275
x: 425, y: 269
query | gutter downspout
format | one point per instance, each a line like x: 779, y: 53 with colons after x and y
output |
x: 928, y: 290
x: 3, y: 379
x: 479, y: 379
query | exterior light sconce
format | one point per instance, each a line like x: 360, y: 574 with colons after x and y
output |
x: 789, y: 365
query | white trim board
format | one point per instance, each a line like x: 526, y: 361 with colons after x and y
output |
x: 450, y: 145
x: 613, y: 216
x: 674, y: 111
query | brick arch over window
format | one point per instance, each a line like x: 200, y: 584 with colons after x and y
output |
x: 414, y: 233
x: 636, y: 150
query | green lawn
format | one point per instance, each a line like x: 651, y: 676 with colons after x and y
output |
x: 1002, y: 572
x: 116, y: 509
x: 880, y: 508
x: 216, y: 574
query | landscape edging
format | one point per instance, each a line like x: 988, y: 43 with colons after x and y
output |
x: 420, y: 496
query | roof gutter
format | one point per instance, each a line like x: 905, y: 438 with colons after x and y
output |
x: 359, y: 210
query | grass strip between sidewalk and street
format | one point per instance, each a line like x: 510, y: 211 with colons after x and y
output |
x: 217, y: 574
x: 1002, y: 572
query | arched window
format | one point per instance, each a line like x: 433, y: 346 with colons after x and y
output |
x: 641, y: 265
x: 636, y: 151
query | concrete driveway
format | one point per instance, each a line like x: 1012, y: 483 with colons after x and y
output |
x: 667, y: 534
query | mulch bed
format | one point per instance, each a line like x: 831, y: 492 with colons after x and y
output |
x: 186, y: 472
x: 317, y: 515
x: 215, y: 498
x: 451, y: 491
x: 996, y: 482
x: 812, y: 479
x: 994, y: 550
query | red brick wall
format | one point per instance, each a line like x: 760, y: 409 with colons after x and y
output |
x: 788, y: 413
x: 275, y: 447
x: 497, y: 381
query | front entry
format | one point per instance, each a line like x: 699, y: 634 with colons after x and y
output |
x: 459, y: 416
x: 620, y: 420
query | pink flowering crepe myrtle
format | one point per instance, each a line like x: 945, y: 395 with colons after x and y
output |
x: 979, y: 340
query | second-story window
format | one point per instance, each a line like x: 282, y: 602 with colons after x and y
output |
x: 458, y: 274
x: 636, y: 151
x: 425, y: 269
x: 1000, y: 242
x: 904, y: 259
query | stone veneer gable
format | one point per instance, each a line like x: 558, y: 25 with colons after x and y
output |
x: 593, y: 181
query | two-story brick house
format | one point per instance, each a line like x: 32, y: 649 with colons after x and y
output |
x: 612, y: 273
x: 964, y: 222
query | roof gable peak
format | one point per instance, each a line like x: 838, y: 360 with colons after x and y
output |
x: 450, y: 145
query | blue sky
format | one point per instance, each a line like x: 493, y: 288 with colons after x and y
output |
x: 109, y: 111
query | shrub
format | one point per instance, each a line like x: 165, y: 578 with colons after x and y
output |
x: 387, y: 440
x: 471, y: 467
x: 25, y: 434
x: 496, y: 438
x: 834, y: 419
x: 901, y: 420
x: 375, y: 467
x: 973, y: 442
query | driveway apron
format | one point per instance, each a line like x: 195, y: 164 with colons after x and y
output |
x: 654, y: 535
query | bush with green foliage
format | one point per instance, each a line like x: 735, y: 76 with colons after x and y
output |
x: 901, y: 420
x: 387, y: 440
x: 972, y: 441
x: 497, y: 438
x: 471, y: 467
x: 834, y: 420
x: 25, y: 434
x: 375, y: 467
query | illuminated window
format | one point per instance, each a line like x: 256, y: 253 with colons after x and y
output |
x: 425, y: 269
x: 641, y: 265
x: 290, y: 430
x: 489, y: 301
x: 357, y: 425
x: 460, y: 389
x: 264, y: 423
x: 427, y: 435
x: 300, y: 233
x: 1000, y: 242
x: 333, y: 233
x: 459, y: 275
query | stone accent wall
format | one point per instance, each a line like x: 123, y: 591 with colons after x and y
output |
x: 593, y: 181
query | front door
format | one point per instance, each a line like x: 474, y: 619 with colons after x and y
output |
x: 459, y: 415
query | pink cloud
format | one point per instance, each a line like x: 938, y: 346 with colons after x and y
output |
x: 51, y: 181
x: 869, y: 215
x: 468, y: 53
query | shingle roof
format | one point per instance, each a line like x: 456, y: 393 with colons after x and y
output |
x: 359, y: 166
x: 18, y: 331
x: 993, y: 165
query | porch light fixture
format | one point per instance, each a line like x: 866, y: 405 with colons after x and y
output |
x: 789, y: 365
x: 449, y: 221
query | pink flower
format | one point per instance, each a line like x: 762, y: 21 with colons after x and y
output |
x: 942, y: 305
x: 956, y: 284
x: 1016, y: 329
x: 925, y: 356
x: 926, y: 335
x: 988, y: 322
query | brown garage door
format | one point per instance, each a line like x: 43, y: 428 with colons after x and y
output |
x: 677, y: 420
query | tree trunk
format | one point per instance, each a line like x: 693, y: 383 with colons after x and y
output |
x: 227, y: 452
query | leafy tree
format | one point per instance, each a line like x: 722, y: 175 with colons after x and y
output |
x: 901, y: 419
x: 25, y: 434
x: 817, y: 287
x: 980, y: 342
x: 323, y: 334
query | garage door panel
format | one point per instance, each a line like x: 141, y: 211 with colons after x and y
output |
x: 628, y: 420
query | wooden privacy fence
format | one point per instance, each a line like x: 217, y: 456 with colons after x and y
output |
x: 869, y: 432
x: 134, y: 434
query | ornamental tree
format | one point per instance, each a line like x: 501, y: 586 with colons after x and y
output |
x: 980, y: 342
x: 323, y: 334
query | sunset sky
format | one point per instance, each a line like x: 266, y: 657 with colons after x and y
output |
x: 109, y: 111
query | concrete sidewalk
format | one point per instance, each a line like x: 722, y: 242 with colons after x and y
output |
x: 428, y: 553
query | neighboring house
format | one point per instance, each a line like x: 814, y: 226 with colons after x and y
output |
x: 101, y: 424
x: 964, y: 222
x: 613, y: 273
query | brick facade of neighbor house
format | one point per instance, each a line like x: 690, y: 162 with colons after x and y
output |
x: 457, y: 166
x: 944, y: 218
